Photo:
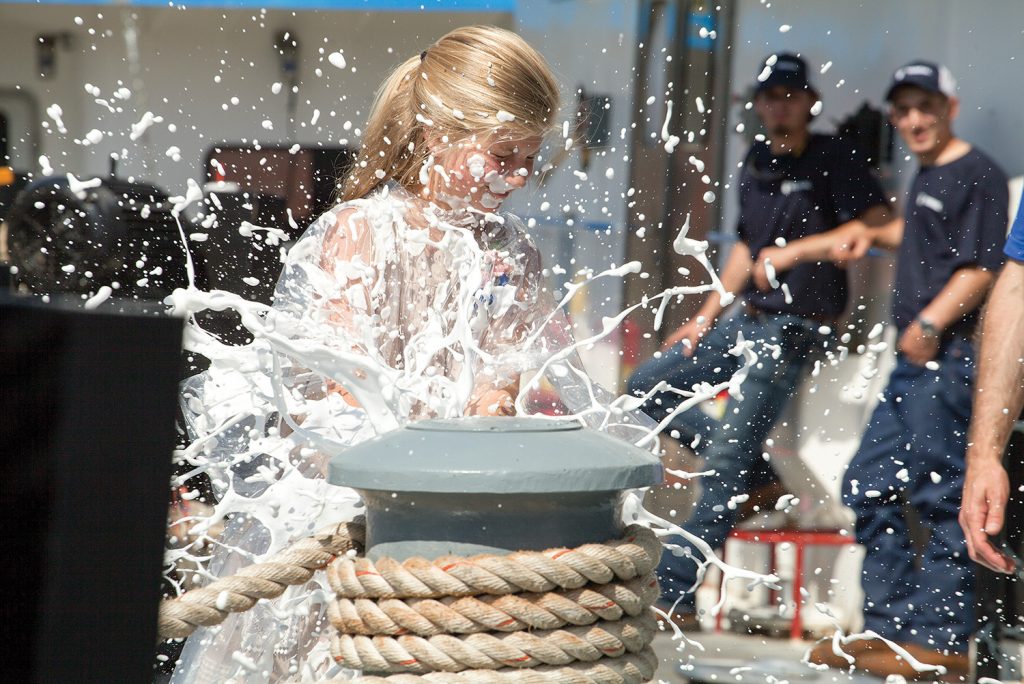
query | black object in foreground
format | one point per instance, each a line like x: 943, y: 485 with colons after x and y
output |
x: 87, y: 429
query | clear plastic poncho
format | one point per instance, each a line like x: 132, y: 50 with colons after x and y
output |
x: 388, y: 310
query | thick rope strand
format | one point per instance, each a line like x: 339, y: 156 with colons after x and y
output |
x: 486, y: 651
x: 210, y: 605
x: 509, y: 613
x: 636, y: 554
x: 629, y: 669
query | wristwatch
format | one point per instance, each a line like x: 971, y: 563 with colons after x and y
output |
x: 927, y: 327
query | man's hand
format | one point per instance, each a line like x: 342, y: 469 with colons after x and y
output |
x: 852, y: 245
x: 918, y: 347
x: 689, y: 334
x: 986, y: 490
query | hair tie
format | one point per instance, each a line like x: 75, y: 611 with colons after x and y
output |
x: 423, y: 55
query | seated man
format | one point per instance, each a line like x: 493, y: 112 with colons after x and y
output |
x: 794, y: 185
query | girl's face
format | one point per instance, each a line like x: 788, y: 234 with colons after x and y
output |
x: 481, y: 173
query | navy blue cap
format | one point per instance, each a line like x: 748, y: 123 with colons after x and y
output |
x: 784, y: 69
x: 929, y: 76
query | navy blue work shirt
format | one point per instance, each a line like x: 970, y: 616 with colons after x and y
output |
x: 792, y: 196
x: 956, y: 216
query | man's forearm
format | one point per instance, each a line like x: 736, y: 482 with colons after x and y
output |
x: 999, y: 389
x: 888, y: 235
x: 820, y: 247
x: 962, y: 294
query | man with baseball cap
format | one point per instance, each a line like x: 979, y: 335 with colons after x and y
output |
x: 794, y: 184
x: 949, y: 247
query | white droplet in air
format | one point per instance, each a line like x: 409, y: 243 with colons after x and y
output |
x: 457, y: 113
x: 932, y: 365
x: 337, y: 59
x: 504, y: 116
x: 651, y: 100
x: 144, y: 123
x: 252, y: 282
x: 765, y: 73
x: 709, y: 197
x: 826, y: 66
x: 268, y: 124
x: 101, y: 296
x: 316, y: 117
x: 476, y: 164
x: 68, y: 268
x: 609, y: 174
x: 936, y: 478
x: 785, y: 28
x: 174, y: 152
x: 44, y: 165
x: 816, y: 108
x: 93, y: 137
x: 55, y: 112
x: 275, y: 88
x: 78, y: 21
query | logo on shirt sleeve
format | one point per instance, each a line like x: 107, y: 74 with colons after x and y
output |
x: 790, y: 186
x: 925, y: 200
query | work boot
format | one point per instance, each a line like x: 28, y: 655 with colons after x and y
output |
x: 882, y: 663
x: 822, y: 654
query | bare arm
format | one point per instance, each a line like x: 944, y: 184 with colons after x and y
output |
x: 998, y: 400
x: 851, y: 239
x: 963, y: 293
x: 735, y: 276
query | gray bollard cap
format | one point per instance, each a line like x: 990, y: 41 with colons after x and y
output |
x: 481, y: 455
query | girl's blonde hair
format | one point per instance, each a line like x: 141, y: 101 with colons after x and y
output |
x: 455, y: 88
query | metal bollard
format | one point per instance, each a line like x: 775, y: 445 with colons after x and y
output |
x: 491, y: 485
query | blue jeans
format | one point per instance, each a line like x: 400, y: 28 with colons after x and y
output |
x: 913, y: 452
x: 732, y: 446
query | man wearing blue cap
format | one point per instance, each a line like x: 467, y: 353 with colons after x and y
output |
x: 794, y: 184
x: 949, y: 247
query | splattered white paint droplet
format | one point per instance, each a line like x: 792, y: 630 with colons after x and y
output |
x: 816, y: 108
x: 101, y: 296
x: 785, y: 28
x: 337, y: 59
x: 504, y: 116
x: 709, y: 197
